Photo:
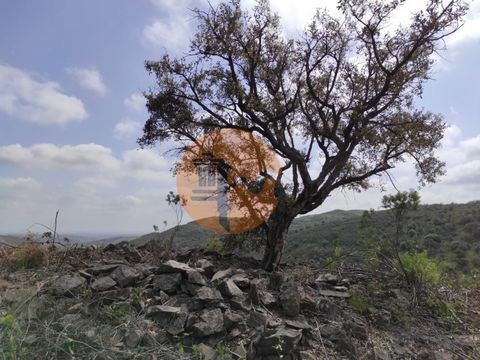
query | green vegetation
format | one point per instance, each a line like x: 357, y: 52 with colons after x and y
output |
x: 358, y: 303
x: 214, y: 245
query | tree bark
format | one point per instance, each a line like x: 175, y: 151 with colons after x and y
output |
x: 277, y: 228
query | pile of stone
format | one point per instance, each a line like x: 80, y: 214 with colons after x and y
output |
x: 261, y: 314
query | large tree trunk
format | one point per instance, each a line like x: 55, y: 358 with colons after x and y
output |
x: 277, y: 228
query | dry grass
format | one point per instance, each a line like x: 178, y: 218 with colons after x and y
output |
x: 29, y: 255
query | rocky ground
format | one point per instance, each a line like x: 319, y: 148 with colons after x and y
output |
x: 118, y: 303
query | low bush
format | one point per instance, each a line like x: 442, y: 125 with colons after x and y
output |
x: 214, y: 245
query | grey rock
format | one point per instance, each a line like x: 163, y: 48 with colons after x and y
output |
x: 102, y: 269
x: 125, y: 275
x: 110, y: 296
x: 257, y: 320
x: 185, y: 301
x: 242, y: 302
x: 328, y: 308
x: 172, y: 266
x: 208, y: 294
x: 133, y: 338
x: 307, y: 355
x: 209, y: 322
x: 221, y: 275
x: 229, y: 289
x: 68, y: 285
x: 290, y: 300
x: 103, y: 283
x: 281, y: 341
x: 240, y: 351
x: 357, y: 329
x: 300, y: 324
x: 206, y: 266
x: 332, y: 293
x: 206, y: 352
x: 171, y: 318
x: 309, y: 303
x: 195, y: 277
x: 327, y: 278
x: 276, y: 280
x: 241, y: 280
x: 167, y: 282
x: 336, y: 334
x: 231, y: 318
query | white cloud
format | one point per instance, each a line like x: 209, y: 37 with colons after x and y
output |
x: 36, y: 101
x: 171, y: 34
x: 172, y: 5
x: 127, y: 129
x: 135, y: 102
x: 471, y: 29
x: 141, y: 164
x: 472, y: 148
x: 67, y: 157
x: 19, y: 184
x: 89, y: 79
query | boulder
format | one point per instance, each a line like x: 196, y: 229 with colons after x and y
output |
x: 257, y: 320
x: 281, y: 341
x: 290, y: 299
x: 241, y: 280
x: 125, y: 275
x: 167, y: 282
x: 231, y: 318
x: 276, y: 280
x: 171, y: 318
x: 114, y: 295
x: 195, y: 277
x: 206, y: 266
x: 229, y: 289
x: 172, y: 266
x: 300, y: 324
x: 241, y: 302
x: 68, y: 285
x: 209, y: 322
x: 206, y: 352
x: 102, y: 269
x: 221, y: 275
x: 133, y: 338
x: 208, y: 294
x: 333, y: 293
x: 327, y: 278
x: 103, y: 283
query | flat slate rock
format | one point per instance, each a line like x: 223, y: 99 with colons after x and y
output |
x: 103, y: 283
x: 332, y: 293
x: 172, y: 266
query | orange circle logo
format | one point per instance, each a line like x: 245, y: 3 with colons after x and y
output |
x: 226, y: 181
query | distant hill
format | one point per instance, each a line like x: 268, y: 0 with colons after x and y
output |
x: 449, y: 232
x: 11, y: 239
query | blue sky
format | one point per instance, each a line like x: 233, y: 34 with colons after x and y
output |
x: 71, y: 75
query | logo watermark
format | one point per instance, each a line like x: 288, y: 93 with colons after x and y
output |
x: 226, y: 179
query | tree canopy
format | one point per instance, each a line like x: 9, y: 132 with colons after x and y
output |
x: 336, y: 103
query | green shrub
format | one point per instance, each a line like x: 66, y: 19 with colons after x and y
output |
x: 11, y: 339
x: 445, y: 309
x: 358, y: 303
x: 419, y: 269
x: 214, y: 245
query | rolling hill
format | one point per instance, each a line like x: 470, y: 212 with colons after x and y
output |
x: 449, y: 232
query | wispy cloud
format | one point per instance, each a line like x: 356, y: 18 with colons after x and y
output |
x: 89, y: 79
x: 127, y: 129
x: 135, y: 102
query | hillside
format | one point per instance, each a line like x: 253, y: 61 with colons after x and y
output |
x: 449, y: 232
